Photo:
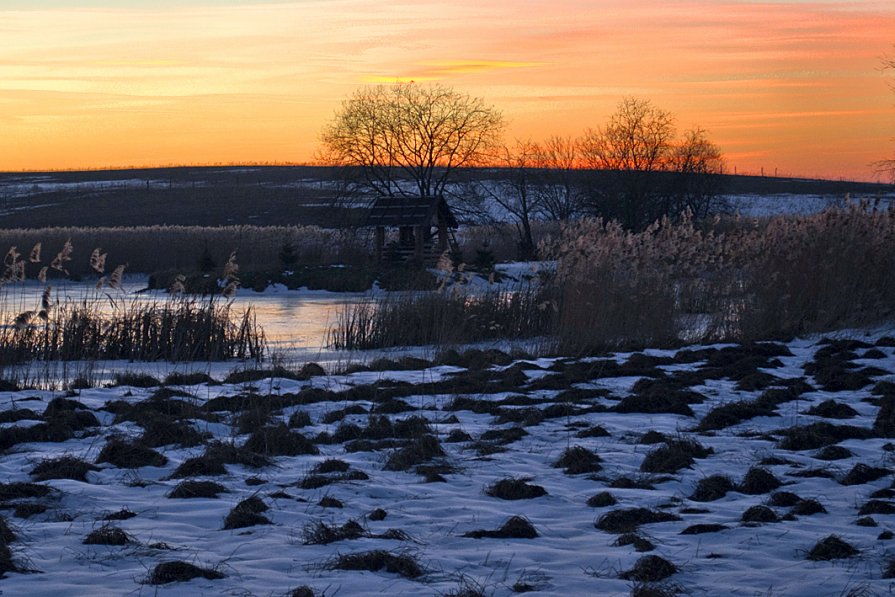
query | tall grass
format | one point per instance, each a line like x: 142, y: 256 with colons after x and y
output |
x: 675, y: 282
x: 747, y: 280
x: 179, y: 329
x: 416, y: 319
x: 105, y: 324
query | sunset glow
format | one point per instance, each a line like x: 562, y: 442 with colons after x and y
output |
x: 793, y: 87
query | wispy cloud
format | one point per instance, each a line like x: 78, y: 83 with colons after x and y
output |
x: 553, y: 67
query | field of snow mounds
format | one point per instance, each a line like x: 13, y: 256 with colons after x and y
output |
x: 760, y: 469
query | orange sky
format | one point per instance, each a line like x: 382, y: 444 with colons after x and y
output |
x: 791, y: 86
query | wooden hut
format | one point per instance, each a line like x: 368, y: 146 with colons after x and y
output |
x: 425, y: 227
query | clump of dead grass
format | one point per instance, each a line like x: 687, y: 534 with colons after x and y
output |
x: 516, y: 527
x: 178, y: 571
x: 107, y: 535
x: 125, y: 454
x: 197, y: 489
x: 63, y: 467
x: 247, y: 513
x: 627, y: 520
x: 578, y: 460
x: 402, y: 564
x: 831, y: 547
x: 650, y: 568
x: 514, y: 489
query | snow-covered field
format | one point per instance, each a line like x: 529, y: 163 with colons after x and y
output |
x: 710, y: 471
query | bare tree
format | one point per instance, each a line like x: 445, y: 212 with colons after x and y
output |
x: 886, y: 167
x: 515, y: 192
x: 636, y: 142
x: 559, y: 188
x: 410, y: 139
x: 696, y: 166
x: 638, y: 172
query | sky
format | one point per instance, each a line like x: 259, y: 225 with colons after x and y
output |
x: 793, y: 88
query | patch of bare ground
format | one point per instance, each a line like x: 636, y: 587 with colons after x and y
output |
x: 733, y: 413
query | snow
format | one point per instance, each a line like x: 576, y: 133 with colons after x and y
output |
x: 570, y: 556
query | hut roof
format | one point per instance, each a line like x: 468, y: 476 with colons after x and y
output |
x: 410, y: 211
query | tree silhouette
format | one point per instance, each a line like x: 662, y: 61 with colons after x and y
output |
x: 410, y: 139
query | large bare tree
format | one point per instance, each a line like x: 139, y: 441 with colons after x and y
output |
x: 410, y: 139
x: 887, y: 167
x: 639, y: 171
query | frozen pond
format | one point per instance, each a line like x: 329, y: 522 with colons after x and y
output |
x: 295, y: 323
x: 288, y: 318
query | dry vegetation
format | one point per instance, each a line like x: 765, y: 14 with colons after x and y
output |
x: 760, y: 279
x: 673, y: 283
x: 103, y: 324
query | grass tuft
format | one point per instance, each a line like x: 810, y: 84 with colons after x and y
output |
x: 831, y: 547
x: 177, y: 571
x: 514, y: 489
x: 402, y: 564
